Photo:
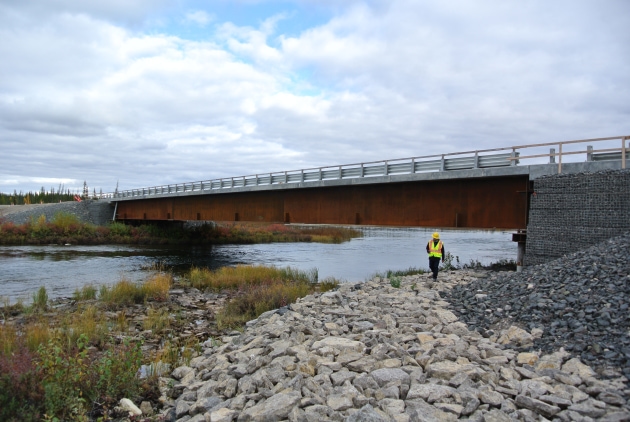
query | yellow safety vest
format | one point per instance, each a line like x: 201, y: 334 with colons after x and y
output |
x: 435, y: 251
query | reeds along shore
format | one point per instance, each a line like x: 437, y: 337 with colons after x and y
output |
x: 76, y: 362
x: 66, y: 228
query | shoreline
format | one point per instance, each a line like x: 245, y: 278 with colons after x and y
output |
x: 368, y: 349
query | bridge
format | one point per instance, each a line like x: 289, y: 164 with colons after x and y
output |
x: 473, y: 189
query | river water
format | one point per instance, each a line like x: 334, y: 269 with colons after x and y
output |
x: 63, y: 269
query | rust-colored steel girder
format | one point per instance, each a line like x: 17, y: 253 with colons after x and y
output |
x: 493, y: 202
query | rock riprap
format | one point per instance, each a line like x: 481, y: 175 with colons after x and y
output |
x: 372, y: 352
x: 579, y: 302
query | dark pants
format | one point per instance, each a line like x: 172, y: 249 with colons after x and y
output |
x: 434, y: 264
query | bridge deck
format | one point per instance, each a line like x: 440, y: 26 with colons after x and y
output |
x: 487, y: 190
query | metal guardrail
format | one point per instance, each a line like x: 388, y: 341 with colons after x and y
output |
x: 487, y: 158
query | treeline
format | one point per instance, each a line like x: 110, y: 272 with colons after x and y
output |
x: 44, y: 197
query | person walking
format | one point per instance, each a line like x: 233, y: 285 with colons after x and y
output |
x: 435, y: 249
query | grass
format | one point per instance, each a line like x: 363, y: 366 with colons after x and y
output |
x: 68, y: 367
x: 254, y: 300
x: 75, y: 366
x: 125, y: 292
x: 244, y: 275
x: 451, y: 262
x: 257, y: 289
x: 157, y: 320
x: 40, y: 299
x: 87, y: 292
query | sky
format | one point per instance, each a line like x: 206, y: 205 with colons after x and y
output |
x: 143, y: 93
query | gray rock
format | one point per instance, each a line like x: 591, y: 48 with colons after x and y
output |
x: 275, y: 408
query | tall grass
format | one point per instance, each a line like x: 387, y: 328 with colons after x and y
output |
x: 244, y: 275
x: 254, y: 300
x: 126, y: 293
x: 258, y: 289
x: 40, y: 299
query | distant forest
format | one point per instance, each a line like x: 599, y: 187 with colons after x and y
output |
x: 44, y: 197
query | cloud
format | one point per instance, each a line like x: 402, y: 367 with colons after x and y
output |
x: 199, y: 17
x: 103, y: 93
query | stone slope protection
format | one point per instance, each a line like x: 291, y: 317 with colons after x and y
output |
x: 99, y: 213
x: 372, y: 352
x: 579, y: 302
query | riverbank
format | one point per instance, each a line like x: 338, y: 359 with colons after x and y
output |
x: 66, y: 228
x: 372, y: 351
x: 368, y: 351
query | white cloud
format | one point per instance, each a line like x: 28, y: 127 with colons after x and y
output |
x: 199, y: 17
x: 86, y: 94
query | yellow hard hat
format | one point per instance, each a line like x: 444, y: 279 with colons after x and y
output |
x: 436, y: 235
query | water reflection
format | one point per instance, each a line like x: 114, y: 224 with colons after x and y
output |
x: 63, y: 269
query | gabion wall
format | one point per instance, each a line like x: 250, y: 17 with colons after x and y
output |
x: 569, y: 212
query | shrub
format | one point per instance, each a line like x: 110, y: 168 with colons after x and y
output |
x: 115, y: 372
x: 21, y: 392
x: 447, y: 264
x: 119, y: 229
x: 395, y: 282
x: 63, y: 375
x: 74, y: 380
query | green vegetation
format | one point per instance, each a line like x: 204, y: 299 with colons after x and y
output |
x: 246, y: 275
x: 74, y: 366
x: 258, y: 289
x: 66, y: 228
x: 397, y: 273
x: 451, y: 262
x: 395, y: 282
x: 70, y: 367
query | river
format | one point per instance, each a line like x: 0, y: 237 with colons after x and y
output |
x: 63, y: 269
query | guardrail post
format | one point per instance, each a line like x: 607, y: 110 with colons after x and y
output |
x: 476, y: 165
x: 320, y: 173
x: 232, y: 183
x: 362, y: 170
x: 302, y: 176
x: 256, y: 180
x: 385, y: 169
x: 559, y: 158
x: 270, y: 179
x: 340, y: 173
x: 589, y: 153
x: 623, y: 152
x: 513, y: 155
x: 413, y: 165
x: 285, y: 177
x: 552, y: 155
x: 442, y: 165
